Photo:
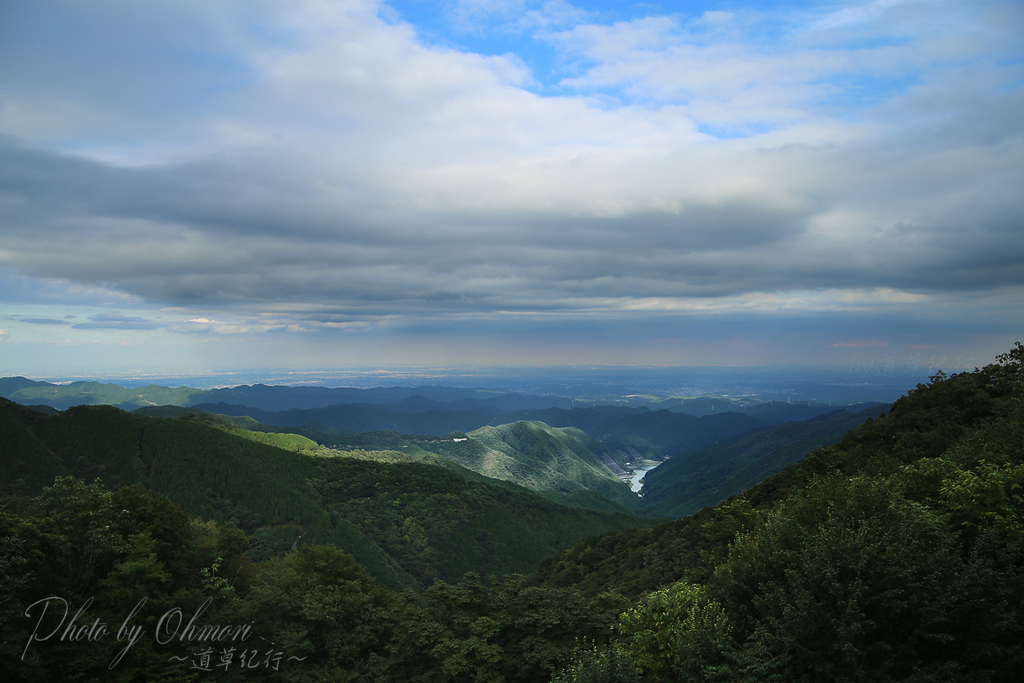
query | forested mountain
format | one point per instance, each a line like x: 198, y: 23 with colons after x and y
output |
x: 696, y: 477
x: 259, y: 396
x: 895, y: 555
x: 711, y: 473
x: 663, y: 433
x: 407, y: 521
x: 541, y: 457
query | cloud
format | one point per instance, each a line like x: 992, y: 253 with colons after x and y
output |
x: 205, y: 326
x: 116, y: 321
x: 184, y: 235
x: 309, y: 167
x: 858, y: 14
x: 37, y: 321
x: 44, y: 321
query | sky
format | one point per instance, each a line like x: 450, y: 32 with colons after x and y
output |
x: 205, y: 185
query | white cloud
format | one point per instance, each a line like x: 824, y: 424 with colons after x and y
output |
x: 858, y: 14
x: 312, y: 160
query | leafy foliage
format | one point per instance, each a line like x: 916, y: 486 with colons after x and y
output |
x: 130, y: 557
x: 404, y: 518
x: 677, y: 633
x: 709, y: 474
x: 896, y: 555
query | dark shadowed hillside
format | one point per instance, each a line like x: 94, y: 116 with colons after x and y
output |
x: 895, y: 555
x: 708, y: 474
x: 407, y: 522
x: 663, y: 433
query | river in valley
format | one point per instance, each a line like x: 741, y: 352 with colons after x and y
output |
x: 638, y: 474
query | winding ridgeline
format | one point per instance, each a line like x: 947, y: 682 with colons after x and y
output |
x: 134, y: 545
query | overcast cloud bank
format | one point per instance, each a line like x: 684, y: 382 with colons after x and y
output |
x: 329, y: 182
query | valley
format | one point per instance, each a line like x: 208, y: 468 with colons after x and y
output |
x: 636, y: 478
x: 587, y: 452
x: 432, y: 540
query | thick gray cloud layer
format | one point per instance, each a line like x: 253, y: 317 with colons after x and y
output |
x: 225, y: 230
x: 316, y: 161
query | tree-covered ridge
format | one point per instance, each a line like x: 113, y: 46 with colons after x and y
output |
x: 587, y: 483
x: 569, y: 467
x: 62, y: 396
x: 708, y: 474
x: 314, y: 602
x: 896, y: 555
x: 407, y: 520
x: 91, y: 581
x: 924, y: 423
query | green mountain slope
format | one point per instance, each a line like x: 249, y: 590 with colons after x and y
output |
x: 446, y: 451
x: 542, y: 458
x: 711, y: 473
x: 28, y: 464
x: 895, y: 555
x: 62, y: 396
x: 664, y: 433
x: 941, y: 432
x: 408, y: 523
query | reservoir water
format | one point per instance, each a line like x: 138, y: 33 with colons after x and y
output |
x: 638, y: 474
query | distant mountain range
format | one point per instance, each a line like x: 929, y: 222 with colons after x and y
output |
x: 407, y: 518
x: 272, y: 398
x: 901, y: 542
x: 575, y: 455
x: 419, y: 399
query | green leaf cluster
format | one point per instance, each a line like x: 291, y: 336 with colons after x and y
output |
x: 897, y: 555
